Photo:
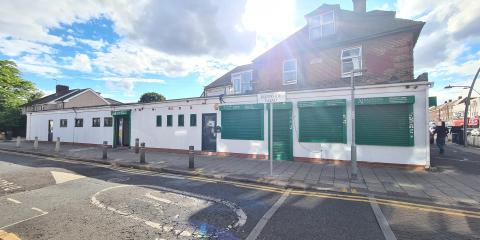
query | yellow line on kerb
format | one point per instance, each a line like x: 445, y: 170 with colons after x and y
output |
x: 352, y: 198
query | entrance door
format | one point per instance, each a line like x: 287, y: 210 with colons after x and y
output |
x: 50, y: 130
x: 282, y: 134
x: 209, y: 137
x: 122, y: 131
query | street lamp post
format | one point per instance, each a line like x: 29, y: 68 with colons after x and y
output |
x: 467, y: 104
x: 353, y: 146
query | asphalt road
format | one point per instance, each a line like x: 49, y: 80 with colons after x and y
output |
x: 42, y: 198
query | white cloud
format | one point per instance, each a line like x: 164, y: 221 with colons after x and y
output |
x: 41, y: 64
x: 131, y: 79
x: 444, y: 46
x: 95, y: 44
x: 15, y: 47
x: 81, y: 62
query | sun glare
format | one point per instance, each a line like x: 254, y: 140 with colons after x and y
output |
x: 271, y: 19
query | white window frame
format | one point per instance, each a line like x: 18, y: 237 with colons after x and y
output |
x: 349, y: 74
x: 290, y: 71
x: 238, y: 76
x: 321, y: 24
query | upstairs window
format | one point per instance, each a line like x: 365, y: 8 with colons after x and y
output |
x: 169, y: 120
x: 351, y: 61
x: 321, y: 25
x: 242, y: 82
x: 290, y: 71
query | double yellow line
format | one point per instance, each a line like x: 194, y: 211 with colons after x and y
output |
x: 352, y: 198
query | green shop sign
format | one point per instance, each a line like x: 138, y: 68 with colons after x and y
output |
x: 121, y: 112
x: 385, y: 100
x: 322, y: 103
x: 241, y: 107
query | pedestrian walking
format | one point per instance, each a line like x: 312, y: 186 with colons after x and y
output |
x: 441, y: 132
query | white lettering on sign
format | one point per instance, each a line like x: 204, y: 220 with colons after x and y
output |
x: 271, y: 97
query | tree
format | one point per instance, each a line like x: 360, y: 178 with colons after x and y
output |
x: 14, y: 92
x: 151, y: 97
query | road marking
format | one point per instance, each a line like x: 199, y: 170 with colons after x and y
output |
x: 30, y: 218
x: 8, y: 236
x: 264, y: 220
x: 354, y: 197
x: 241, y: 216
x: 39, y: 210
x: 149, y: 195
x: 62, y: 177
x: 382, y: 221
x: 8, y: 186
x: 13, y: 200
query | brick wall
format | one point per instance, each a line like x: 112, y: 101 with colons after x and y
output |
x: 388, y: 59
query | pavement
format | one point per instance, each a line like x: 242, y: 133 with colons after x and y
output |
x: 58, y: 198
x: 455, y: 180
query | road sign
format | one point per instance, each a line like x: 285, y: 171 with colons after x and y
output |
x: 273, y: 97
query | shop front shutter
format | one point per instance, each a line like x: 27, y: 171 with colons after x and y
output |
x: 322, y: 121
x: 384, y: 123
x: 242, y: 122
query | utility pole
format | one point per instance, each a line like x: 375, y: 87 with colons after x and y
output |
x: 467, y: 104
x: 353, y: 146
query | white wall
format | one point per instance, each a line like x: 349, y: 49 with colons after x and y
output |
x: 37, y: 126
x: 143, y: 123
x: 416, y: 155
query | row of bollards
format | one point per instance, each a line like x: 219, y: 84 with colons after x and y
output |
x: 139, y: 148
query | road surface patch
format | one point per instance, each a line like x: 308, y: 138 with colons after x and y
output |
x: 177, y: 213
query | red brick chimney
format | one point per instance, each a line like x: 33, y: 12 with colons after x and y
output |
x: 61, y: 88
x: 360, y: 6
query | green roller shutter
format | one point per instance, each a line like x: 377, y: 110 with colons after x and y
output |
x: 384, y: 122
x: 282, y: 133
x: 242, y: 122
x: 322, y: 121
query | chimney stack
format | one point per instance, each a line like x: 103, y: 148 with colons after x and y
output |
x: 360, y: 6
x: 61, y: 88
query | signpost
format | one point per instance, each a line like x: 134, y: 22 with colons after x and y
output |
x: 268, y: 99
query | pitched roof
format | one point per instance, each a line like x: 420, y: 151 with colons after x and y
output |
x: 113, y: 101
x: 225, y: 79
x: 373, y: 24
x: 55, y: 96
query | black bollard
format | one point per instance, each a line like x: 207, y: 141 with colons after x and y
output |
x: 142, y: 152
x: 191, y: 157
x: 104, y: 150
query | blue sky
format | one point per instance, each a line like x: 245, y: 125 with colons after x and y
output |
x: 125, y: 48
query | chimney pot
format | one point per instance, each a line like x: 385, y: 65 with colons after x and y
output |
x: 61, y: 88
x: 360, y: 6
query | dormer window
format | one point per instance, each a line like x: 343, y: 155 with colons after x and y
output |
x: 321, y: 25
x: 242, y: 82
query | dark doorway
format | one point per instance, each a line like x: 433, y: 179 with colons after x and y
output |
x: 122, y: 131
x: 209, y: 136
x: 50, y: 130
